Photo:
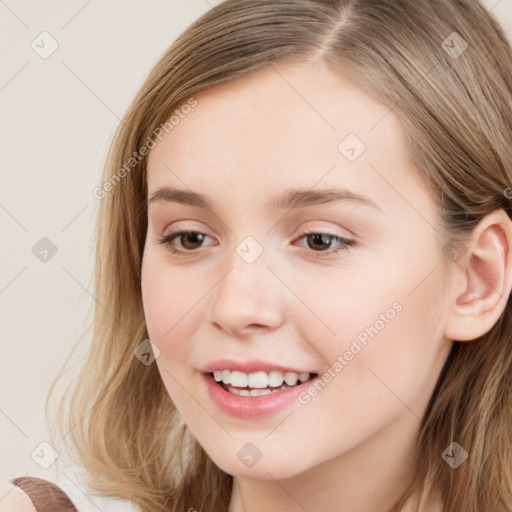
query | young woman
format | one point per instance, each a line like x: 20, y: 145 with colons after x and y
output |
x: 304, y: 267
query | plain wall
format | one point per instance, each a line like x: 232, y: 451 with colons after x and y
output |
x: 59, y: 115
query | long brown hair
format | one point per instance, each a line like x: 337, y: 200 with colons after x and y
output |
x: 445, y: 69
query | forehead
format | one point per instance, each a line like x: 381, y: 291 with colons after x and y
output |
x: 281, y: 126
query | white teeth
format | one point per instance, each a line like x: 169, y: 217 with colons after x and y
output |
x: 238, y: 379
x: 275, y: 379
x: 260, y: 380
x: 260, y: 392
x: 291, y: 378
x: 257, y: 380
x: 254, y: 392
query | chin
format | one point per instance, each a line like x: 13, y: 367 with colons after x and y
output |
x: 268, y: 467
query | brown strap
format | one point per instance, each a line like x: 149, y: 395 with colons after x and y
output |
x: 45, y: 495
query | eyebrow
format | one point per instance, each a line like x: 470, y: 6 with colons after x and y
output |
x: 290, y: 199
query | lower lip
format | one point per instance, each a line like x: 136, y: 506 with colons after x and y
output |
x: 250, y: 407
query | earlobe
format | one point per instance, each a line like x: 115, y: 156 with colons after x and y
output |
x: 486, y: 279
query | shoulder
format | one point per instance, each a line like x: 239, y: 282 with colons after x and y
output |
x: 31, y: 494
x: 13, y: 499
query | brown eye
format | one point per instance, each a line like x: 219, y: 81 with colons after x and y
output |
x: 189, y: 241
x: 318, y: 241
x: 322, y: 242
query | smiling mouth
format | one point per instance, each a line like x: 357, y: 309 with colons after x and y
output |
x: 265, y: 390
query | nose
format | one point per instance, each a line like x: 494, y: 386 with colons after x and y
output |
x: 248, y: 298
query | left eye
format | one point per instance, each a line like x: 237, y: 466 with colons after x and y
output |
x: 326, y: 239
x: 194, y: 237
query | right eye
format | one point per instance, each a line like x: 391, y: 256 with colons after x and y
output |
x: 188, y: 238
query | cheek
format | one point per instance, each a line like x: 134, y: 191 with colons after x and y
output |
x: 374, y: 335
x: 169, y: 295
x: 174, y: 300
x: 168, y: 300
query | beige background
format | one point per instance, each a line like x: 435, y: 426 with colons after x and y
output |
x: 58, y: 116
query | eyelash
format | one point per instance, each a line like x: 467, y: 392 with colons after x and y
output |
x: 346, y: 243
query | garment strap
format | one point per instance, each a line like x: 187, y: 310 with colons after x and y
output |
x: 45, y: 495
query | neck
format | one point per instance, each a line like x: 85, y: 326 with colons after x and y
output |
x: 370, y: 476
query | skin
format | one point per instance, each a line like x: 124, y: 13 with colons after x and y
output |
x: 351, y: 448
x: 13, y: 498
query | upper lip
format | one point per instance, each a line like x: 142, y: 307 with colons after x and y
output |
x: 250, y: 366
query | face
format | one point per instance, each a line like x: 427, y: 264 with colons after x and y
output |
x: 352, y: 290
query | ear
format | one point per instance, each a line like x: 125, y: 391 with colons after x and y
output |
x: 482, y: 279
